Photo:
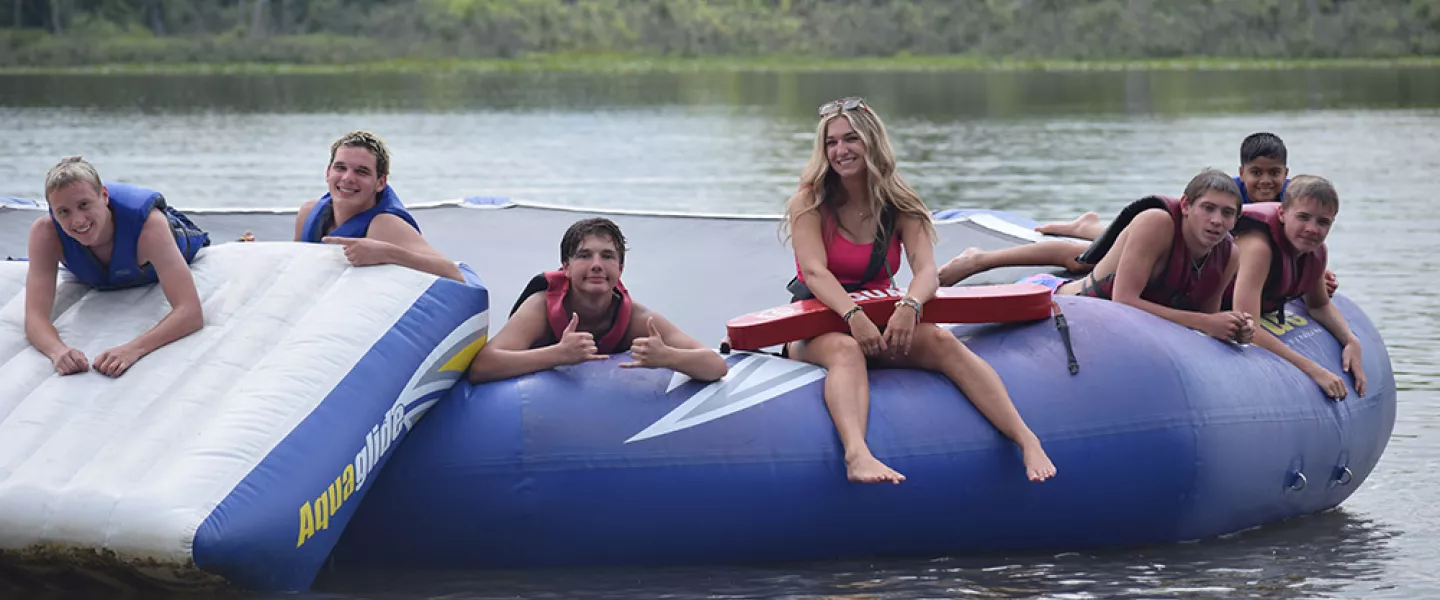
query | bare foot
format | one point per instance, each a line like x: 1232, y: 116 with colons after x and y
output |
x: 1037, y: 464
x: 1079, y: 228
x: 962, y: 266
x: 868, y: 469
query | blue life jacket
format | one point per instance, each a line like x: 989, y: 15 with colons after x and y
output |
x: 322, y: 215
x: 130, y: 207
x: 1245, y: 195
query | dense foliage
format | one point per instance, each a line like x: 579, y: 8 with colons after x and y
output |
x: 65, y: 32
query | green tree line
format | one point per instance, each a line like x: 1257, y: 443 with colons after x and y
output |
x: 71, y: 32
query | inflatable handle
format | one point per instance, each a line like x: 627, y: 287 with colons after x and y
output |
x: 1064, y: 328
x: 1298, y: 482
x: 808, y: 318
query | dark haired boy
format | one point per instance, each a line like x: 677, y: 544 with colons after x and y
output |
x: 1263, y: 172
x: 582, y: 312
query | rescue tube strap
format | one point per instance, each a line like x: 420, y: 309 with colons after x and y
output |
x: 1064, y: 328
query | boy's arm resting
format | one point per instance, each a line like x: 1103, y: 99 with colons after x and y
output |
x: 1324, y: 311
x: 1255, y: 255
x: 41, y: 271
x: 410, y: 249
x: 509, y: 354
x: 157, y: 246
x: 1212, y: 303
x: 300, y: 219
x: 1317, y: 300
x: 689, y: 355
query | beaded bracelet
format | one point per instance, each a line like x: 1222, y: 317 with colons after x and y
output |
x: 911, y: 302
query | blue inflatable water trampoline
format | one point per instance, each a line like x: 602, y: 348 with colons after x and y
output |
x: 1163, y: 435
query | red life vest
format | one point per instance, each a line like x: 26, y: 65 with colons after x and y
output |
x: 1291, y: 273
x: 557, y: 285
x: 1181, y: 286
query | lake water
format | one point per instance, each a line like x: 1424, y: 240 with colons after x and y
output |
x: 1049, y: 145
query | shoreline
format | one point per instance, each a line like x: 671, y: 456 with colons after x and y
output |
x: 639, y: 64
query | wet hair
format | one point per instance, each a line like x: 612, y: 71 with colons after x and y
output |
x: 368, y: 141
x: 1314, y: 187
x: 70, y: 170
x: 1212, y: 180
x: 821, y: 187
x: 1262, y: 145
x: 598, y: 226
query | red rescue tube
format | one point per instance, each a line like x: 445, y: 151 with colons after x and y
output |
x: 808, y: 318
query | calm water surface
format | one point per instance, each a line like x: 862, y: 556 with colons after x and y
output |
x: 1045, y: 144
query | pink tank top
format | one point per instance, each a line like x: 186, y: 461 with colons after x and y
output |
x: 847, y: 260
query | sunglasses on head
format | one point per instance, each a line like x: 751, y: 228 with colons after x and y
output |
x: 835, y: 106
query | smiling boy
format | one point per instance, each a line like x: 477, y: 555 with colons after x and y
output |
x: 362, y: 212
x: 582, y: 313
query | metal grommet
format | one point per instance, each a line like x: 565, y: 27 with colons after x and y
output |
x: 1299, y: 482
x: 1345, y: 477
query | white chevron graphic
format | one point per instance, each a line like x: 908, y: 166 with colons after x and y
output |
x: 755, y: 379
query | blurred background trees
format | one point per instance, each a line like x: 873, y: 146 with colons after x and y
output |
x: 330, y: 31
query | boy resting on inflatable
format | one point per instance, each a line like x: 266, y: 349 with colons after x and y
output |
x: 1171, y: 258
x: 1282, y: 257
x: 582, y: 312
x: 363, y: 214
x: 110, y: 237
x: 1262, y: 178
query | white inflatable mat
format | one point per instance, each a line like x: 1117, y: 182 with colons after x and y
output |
x: 242, y: 449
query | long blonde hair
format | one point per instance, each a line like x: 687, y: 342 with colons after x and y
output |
x: 820, y: 186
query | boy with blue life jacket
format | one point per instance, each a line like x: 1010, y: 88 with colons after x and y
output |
x: 1283, y: 257
x: 1171, y: 258
x: 109, y: 236
x: 1263, y: 174
x: 582, y: 312
x: 363, y: 214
